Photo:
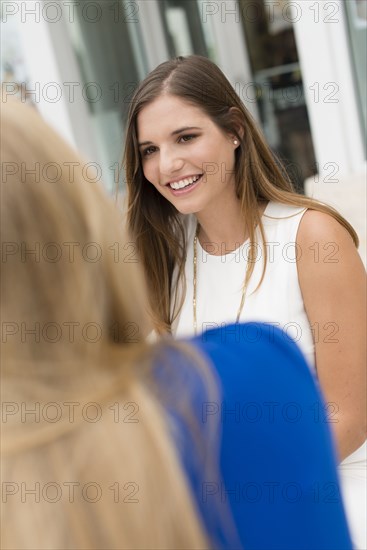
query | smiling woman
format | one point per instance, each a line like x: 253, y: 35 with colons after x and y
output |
x: 223, y: 237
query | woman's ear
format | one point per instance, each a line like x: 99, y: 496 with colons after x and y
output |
x: 236, y: 119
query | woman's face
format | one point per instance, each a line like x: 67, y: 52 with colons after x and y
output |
x: 187, y: 158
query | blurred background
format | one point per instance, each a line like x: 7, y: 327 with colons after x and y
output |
x: 299, y: 67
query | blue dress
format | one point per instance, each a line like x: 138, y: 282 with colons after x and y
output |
x: 277, y: 487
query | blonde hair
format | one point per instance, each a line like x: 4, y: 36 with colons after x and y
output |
x: 154, y: 222
x: 98, y: 432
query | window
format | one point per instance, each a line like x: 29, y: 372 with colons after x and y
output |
x: 278, y: 83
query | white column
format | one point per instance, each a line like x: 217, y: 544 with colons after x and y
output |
x: 153, y: 34
x: 323, y: 50
x: 42, y: 69
x: 54, y: 76
x: 225, y: 19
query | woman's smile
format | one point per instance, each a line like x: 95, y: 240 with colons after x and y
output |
x: 185, y: 185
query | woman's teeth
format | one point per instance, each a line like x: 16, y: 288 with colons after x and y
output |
x: 184, y: 183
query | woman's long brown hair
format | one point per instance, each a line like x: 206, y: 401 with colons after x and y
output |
x: 155, y: 224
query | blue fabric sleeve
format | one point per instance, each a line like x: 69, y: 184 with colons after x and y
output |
x: 277, y: 456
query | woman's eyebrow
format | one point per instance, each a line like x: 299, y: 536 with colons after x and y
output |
x: 184, y: 129
x: 144, y: 143
x: 175, y: 132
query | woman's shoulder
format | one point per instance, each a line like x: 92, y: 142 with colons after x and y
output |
x: 319, y: 231
x: 328, y: 260
x: 320, y: 225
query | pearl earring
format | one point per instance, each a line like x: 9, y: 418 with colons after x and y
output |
x: 235, y: 142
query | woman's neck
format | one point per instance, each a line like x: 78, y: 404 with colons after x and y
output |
x: 223, y: 231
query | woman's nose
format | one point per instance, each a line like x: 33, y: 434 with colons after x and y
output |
x: 170, y: 161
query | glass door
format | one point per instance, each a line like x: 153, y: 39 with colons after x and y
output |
x: 106, y: 39
x: 184, y: 29
x: 277, y: 78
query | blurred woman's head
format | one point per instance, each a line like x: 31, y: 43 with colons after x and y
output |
x: 69, y: 274
x: 82, y: 427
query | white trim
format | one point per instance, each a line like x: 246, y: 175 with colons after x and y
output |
x: 323, y: 49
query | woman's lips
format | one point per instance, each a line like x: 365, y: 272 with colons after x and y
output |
x: 186, y: 189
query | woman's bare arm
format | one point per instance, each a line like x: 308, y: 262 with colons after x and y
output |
x: 333, y: 284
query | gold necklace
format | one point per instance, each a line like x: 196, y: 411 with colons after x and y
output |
x: 194, y: 300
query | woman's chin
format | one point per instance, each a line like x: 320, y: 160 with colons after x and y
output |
x: 186, y: 209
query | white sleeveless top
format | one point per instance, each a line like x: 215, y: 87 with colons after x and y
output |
x: 278, y: 301
x: 219, y: 281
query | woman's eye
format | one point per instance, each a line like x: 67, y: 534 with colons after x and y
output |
x: 148, y: 151
x: 188, y: 137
